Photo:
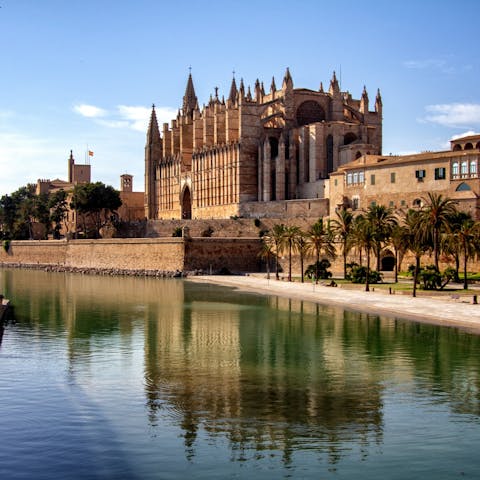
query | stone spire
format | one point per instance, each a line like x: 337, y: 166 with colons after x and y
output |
x: 153, y: 133
x: 273, y: 87
x: 233, y: 91
x: 189, y: 99
x: 321, y: 88
x: 287, y: 80
x: 334, y: 88
x: 364, y: 101
x: 378, y: 102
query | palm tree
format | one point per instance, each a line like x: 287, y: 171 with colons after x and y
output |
x: 416, y: 240
x: 266, y: 252
x: 365, y: 238
x: 277, y: 241
x: 342, y: 226
x: 303, y: 249
x: 320, y: 237
x: 450, y: 242
x: 468, y: 235
x: 290, y: 240
x: 398, y: 242
x: 435, y: 217
x: 382, y: 220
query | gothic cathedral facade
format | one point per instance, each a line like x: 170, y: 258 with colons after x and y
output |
x: 235, y: 157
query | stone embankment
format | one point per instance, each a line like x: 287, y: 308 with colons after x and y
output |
x: 105, y: 271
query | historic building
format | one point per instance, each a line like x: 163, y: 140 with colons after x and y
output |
x: 403, y: 182
x: 256, y: 154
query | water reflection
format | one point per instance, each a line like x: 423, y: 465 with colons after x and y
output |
x: 272, y: 376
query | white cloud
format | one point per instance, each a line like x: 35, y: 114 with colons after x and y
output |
x: 125, y: 116
x: 89, y: 111
x: 465, y: 134
x: 427, y: 63
x: 454, y: 114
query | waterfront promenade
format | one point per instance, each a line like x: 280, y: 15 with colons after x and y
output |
x: 445, y: 309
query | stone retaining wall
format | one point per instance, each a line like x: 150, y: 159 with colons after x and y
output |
x: 159, y: 256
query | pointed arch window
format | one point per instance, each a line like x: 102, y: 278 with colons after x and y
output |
x: 473, y: 168
x: 464, y: 169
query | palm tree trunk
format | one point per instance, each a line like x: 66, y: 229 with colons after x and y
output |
x: 367, y: 280
x: 465, y: 258
x: 316, y: 264
x: 378, y: 249
x: 396, y: 266
x: 289, y: 261
x: 435, y: 248
x: 344, y: 259
x: 301, y: 266
x: 415, y: 275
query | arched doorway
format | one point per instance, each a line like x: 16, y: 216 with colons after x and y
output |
x: 186, y: 204
x: 388, y: 263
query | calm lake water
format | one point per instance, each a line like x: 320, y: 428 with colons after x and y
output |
x: 139, y: 378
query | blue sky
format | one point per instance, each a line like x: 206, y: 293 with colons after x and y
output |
x: 86, y: 72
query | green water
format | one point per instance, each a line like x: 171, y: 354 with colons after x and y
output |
x: 108, y: 377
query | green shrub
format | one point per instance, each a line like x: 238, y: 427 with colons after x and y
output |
x: 207, y: 232
x: 358, y: 274
x: 6, y: 245
x: 319, y: 270
x: 177, y: 232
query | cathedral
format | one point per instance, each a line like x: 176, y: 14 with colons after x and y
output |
x: 254, y: 153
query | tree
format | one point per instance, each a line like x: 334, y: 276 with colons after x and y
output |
x: 320, y: 238
x: 290, y: 240
x: 382, y: 221
x: 266, y: 252
x: 366, y: 239
x: 17, y: 213
x: 57, y: 203
x: 468, y: 234
x: 417, y: 240
x: 435, y: 217
x: 303, y: 250
x: 97, y: 202
x: 342, y: 226
x: 397, y: 240
x: 276, y: 239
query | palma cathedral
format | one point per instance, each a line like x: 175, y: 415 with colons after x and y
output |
x: 256, y: 151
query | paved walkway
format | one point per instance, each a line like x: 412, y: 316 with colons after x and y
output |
x: 453, y: 310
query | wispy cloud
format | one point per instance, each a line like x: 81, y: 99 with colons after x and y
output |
x: 89, y: 111
x: 454, y: 114
x: 439, y: 64
x: 131, y: 117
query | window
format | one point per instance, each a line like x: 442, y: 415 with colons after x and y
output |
x: 455, y: 169
x: 392, y: 177
x: 420, y: 175
x: 402, y: 203
x: 355, y: 202
x: 464, y: 169
x: 355, y: 177
x: 390, y: 204
x: 473, y: 168
x: 372, y: 179
x: 361, y: 177
x: 417, y: 202
x: 335, y: 182
x: 373, y: 203
x: 349, y: 179
x: 440, y: 173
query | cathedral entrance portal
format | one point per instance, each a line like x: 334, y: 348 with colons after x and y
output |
x: 186, y: 204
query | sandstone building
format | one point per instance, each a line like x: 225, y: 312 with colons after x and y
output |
x: 403, y: 182
x: 256, y: 154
